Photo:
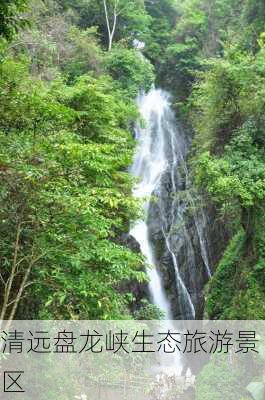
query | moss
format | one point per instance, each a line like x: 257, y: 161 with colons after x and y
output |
x: 221, y: 286
x: 236, y: 291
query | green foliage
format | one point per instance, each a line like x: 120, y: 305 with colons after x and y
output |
x: 65, y: 189
x: 228, y: 116
x: 148, y: 311
x: 54, y: 43
x: 27, y: 104
x: 237, y: 182
x: 229, y: 123
x: 214, y: 99
x: 84, y: 53
x: 133, y: 22
x: 184, y: 34
x: 91, y: 98
x: 164, y: 14
x: 130, y: 70
x: 182, y: 56
x: 10, y: 20
x: 238, y: 177
x: 179, y: 63
x: 221, y: 98
x: 221, y: 287
x: 253, y: 19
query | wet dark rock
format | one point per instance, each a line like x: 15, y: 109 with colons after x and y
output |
x: 185, y: 243
x: 139, y: 290
x: 127, y: 240
x: 186, y: 246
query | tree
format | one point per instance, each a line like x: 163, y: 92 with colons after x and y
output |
x: 65, y: 197
x: 53, y: 44
x: 163, y: 19
x: 131, y: 71
x: 132, y: 11
x: 116, y: 11
x: 10, y: 18
x: 117, y: 20
x: 228, y: 167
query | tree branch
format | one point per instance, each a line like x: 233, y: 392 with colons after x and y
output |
x: 116, y: 12
x: 12, y: 274
x: 2, y: 280
x: 23, y: 285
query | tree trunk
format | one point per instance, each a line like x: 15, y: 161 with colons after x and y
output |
x: 111, y: 30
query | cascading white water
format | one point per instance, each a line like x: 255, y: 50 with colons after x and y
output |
x: 149, y: 164
x: 151, y: 161
x: 160, y: 166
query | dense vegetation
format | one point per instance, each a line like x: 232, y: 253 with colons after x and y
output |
x: 69, y: 73
x: 227, y: 110
x: 65, y: 147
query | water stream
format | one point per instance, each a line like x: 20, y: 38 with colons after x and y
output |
x: 159, y: 162
x: 149, y: 164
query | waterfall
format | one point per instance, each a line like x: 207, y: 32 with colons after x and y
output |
x: 149, y: 164
x: 160, y: 167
